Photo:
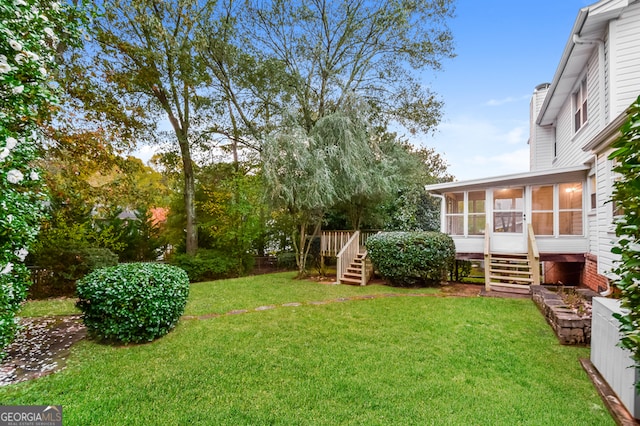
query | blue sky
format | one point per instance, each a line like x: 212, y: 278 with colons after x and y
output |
x: 504, y: 49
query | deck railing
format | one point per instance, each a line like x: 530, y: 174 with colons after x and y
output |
x: 534, y: 255
x: 487, y: 257
x: 347, y: 254
x: 331, y: 242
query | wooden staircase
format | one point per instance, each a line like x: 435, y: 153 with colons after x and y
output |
x: 512, y: 273
x: 358, y: 271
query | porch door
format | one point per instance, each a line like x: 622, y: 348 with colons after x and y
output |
x: 509, y: 221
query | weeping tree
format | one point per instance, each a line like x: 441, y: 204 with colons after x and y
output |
x: 308, y: 172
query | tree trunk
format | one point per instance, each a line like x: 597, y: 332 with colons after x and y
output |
x: 189, y: 194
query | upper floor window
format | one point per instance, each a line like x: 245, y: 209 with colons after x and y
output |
x: 580, y: 106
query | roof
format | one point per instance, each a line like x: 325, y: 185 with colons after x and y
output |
x: 540, y: 177
x: 590, y: 26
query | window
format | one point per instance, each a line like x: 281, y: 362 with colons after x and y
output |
x: 580, y: 106
x: 542, y: 210
x: 508, y: 206
x: 570, y: 208
x: 455, y: 213
x: 477, y: 217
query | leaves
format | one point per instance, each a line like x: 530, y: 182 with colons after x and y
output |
x: 626, y: 195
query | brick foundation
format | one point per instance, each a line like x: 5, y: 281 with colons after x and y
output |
x: 564, y: 273
x: 591, y: 278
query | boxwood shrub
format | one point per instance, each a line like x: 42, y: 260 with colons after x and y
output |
x: 134, y: 302
x: 412, y: 258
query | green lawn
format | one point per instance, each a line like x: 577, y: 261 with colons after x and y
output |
x: 400, y: 361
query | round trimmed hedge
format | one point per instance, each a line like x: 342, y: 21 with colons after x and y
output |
x: 133, y: 302
x: 412, y: 258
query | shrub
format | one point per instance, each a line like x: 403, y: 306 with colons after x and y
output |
x: 134, y: 302
x: 412, y: 258
x: 65, y: 265
x: 626, y: 196
x: 212, y: 265
x: 287, y: 260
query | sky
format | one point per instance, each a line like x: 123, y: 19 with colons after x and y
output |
x: 504, y: 50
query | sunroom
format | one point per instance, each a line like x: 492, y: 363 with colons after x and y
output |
x: 538, y: 213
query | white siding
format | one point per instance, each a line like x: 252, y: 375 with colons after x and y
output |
x: 625, y: 57
x: 569, y: 144
x: 613, y: 362
x: 541, y: 139
x: 606, y: 237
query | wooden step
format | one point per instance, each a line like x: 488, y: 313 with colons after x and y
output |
x: 506, y: 278
x: 351, y: 280
x: 506, y: 271
x: 510, y: 288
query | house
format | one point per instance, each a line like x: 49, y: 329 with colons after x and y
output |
x: 559, y: 212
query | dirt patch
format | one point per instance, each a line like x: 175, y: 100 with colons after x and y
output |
x: 41, y: 347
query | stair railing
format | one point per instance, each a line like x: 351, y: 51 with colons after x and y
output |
x: 487, y: 257
x: 347, y: 254
x: 533, y: 254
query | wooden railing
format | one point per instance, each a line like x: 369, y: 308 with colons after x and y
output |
x: 487, y: 257
x: 347, y: 254
x: 534, y: 255
x: 331, y: 242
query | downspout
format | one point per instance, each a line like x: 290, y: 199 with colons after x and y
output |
x: 603, y: 116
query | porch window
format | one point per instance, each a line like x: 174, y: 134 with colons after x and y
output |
x: 542, y: 210
x: 455, y: 213
x: 477, y: 210
x: 508, y: 206
x: 570, y: 203
x: 580, y: 106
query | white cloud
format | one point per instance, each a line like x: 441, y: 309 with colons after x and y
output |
x: 476, y: 148
x: 507, y: 100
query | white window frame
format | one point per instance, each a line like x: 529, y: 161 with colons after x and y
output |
x: 580, y: 111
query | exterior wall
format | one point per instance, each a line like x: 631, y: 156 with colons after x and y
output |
x: 570, y: 143
x: 624, y: 34
x: 605, y: 237
x: 541, y: 139
x: 591, y: 278
x: 563, y: 273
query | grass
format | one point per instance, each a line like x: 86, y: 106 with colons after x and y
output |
x: 47, y: 307
x: 402, y: 360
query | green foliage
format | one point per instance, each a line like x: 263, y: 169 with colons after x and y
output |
x: 30, y: 33
x: 134, y: 302
x: 60, y: 266
x: 287, y: 260
x: 626, y: 195
x: 212, y: 264
x: 460, y: 269
x: 412, y: 258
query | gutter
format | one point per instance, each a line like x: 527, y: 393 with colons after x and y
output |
x: 566, y: 54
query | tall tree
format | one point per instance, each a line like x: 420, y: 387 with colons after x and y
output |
x: 146, y: 66
x: 306, y: 173
x: 377, y: 50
